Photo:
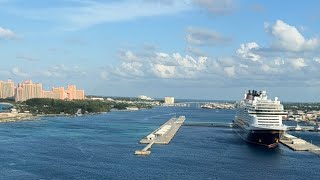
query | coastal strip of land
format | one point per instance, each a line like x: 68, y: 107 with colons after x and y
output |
x: 298, y: 144
x: 12, y: 117
x: 162, y: 135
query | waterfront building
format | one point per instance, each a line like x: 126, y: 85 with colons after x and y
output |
x: 97, y: 98
x: 59, y: 93
x: 71, y: 92
x: 169, y: 100
x: 48, y: 94
x: 19, y: 93
x: 143, y: 97
x: 79, y: 94
x: 6, y: 89
x: 38, y: 92
x: 28, y: 90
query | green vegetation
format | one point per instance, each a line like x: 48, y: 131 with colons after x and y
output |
x: 120, y: 106
x: 57, y: 106
x: 302, y: 106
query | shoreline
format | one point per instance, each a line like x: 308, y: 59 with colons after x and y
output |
x: 15, y: 117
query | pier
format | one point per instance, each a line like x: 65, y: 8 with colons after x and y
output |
x: 208, y: 124
x: 162, y: 135
x: 298, y: 144
x: 303, y: 128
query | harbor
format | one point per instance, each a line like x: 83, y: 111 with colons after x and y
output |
x: 162, y: 135
x: 298, y: 144
x: 209, y: 124
x: 303, y: 128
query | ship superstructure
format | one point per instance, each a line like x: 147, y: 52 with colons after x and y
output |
x: 259, y: 119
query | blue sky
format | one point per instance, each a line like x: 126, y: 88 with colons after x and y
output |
x: 201, y: 49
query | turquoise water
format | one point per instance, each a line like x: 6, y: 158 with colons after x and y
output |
x: 102, y: 147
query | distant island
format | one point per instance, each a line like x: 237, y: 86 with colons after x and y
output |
x: 57, y: 106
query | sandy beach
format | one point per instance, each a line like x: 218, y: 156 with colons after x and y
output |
x: 11, y: 117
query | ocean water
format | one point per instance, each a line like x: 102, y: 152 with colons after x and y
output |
x: 102, y: 147
x: 3, y: 106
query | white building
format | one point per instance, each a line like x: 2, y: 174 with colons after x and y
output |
x: 169, y: 100
x: 143, y: 97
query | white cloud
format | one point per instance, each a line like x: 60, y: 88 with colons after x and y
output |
x: 230, y: 71
x: 217, y: 7
x: 161, y: 65
x: 132, y: 68
x: 26, y: 57
x: 268, y: 69
x: 162, y: 55
x: 316, y: 59
x: 63, y: 71
x: 206, y: 37
x: 195, y: 51
x: 278, y: 61
x: 84, y: 14
x: 288, y: 38
x: 128, y: 56
x: 7, y: 34
x: 18, y: 72
x: 298, y: 63
x: 164, y: 71
x: 245, y: 51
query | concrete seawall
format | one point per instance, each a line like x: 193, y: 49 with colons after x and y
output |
x: 162, y: 135
x: 298, y: 144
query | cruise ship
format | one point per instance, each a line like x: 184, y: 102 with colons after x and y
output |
x: 258, y: 119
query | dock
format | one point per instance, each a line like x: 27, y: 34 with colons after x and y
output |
x: 298, y: 144
x: 162, y: 135
x: 303, y: 128
x: 209, y: 124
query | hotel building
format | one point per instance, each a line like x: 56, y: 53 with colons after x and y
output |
x: 28, y: 90
x: 169, y: 100
x: 6, y: 89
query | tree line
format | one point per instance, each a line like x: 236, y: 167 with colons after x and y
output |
x: 58, y: 106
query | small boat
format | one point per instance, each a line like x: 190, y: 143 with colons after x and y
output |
x: 298, y: 128
x: 207, y: 106
x: 78, y: 113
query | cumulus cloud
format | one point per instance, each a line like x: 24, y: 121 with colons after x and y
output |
x: 287, y: 37
x: 288, y: 56
x: 298, y: 63
x: 64, y: 71
x: 164, y: 71
x: 7, y: 34
x: 18, y: 72
x: 230, y: 71
x: 128, y: 56
x: 278, y: 61
x: 246, y: 51
x: 205, y: 37
x: 131, y: 69
x: 160, y: 65
x: 195, y: 51
x: 217, y: 7
x: 316, y: 59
